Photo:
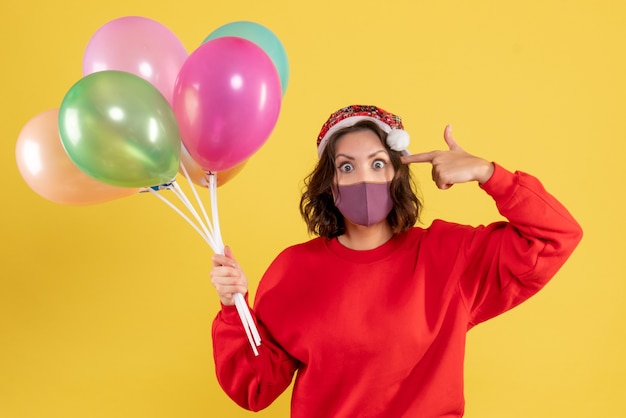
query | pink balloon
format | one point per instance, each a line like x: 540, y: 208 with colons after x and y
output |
x: 139, y: 46
x: 227, y: 99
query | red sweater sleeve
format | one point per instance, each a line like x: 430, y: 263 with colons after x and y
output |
x: 253, y: 382
x: 507, y: 262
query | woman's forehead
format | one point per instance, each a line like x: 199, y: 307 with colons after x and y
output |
x: 359, y: 142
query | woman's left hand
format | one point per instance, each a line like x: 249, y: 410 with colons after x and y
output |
x: 454, y: 165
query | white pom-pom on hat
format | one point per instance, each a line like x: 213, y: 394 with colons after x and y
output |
x: 398, y: 140
x: 397, y: 137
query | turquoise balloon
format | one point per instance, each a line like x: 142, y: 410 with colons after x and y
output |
x: 119, y: 129
x: 263, y: 38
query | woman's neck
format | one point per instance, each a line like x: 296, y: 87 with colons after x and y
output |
x: 357, y: 237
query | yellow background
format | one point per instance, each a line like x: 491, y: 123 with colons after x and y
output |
x: 106, y: 310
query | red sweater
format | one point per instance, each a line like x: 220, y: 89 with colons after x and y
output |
x: 381, y: 333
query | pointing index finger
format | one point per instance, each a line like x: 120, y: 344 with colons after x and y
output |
x: 422, y: 157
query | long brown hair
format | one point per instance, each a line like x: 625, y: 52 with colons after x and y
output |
x: 317, y: 205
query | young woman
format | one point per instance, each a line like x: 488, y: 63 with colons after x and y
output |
x: 372, y: 314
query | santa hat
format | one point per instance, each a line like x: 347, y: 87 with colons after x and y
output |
x: 397, y: 137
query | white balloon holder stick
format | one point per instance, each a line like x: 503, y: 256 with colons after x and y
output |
x: 210, y: 232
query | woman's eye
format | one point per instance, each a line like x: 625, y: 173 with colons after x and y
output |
x: 346, y: 167
x: 378, y: 164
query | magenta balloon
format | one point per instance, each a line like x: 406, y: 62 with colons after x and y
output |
x: 227, y: 99
x: 139, y: 46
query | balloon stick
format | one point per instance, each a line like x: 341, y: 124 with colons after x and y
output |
x: 212, y: 235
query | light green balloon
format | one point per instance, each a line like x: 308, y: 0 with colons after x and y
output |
x: 119, y: 129
x: 264, y: 39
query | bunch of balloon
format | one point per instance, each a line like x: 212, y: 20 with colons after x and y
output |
x: 115, y: 132
x: 227, y: 100
x: 146, y: 110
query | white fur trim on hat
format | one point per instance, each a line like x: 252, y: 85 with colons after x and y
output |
x: 397, y: 139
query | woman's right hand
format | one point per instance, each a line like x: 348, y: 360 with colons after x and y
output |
x: 454, y: 165
x: 227, y: 277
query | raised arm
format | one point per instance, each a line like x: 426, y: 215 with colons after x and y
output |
x: 502, y: 264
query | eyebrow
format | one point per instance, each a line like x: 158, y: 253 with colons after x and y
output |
x: 369, y: 156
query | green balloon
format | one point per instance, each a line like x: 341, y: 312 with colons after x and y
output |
x: 119, y: 129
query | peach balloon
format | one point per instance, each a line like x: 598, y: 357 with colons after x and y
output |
x: 49, y: 171
x: 199, y: 176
